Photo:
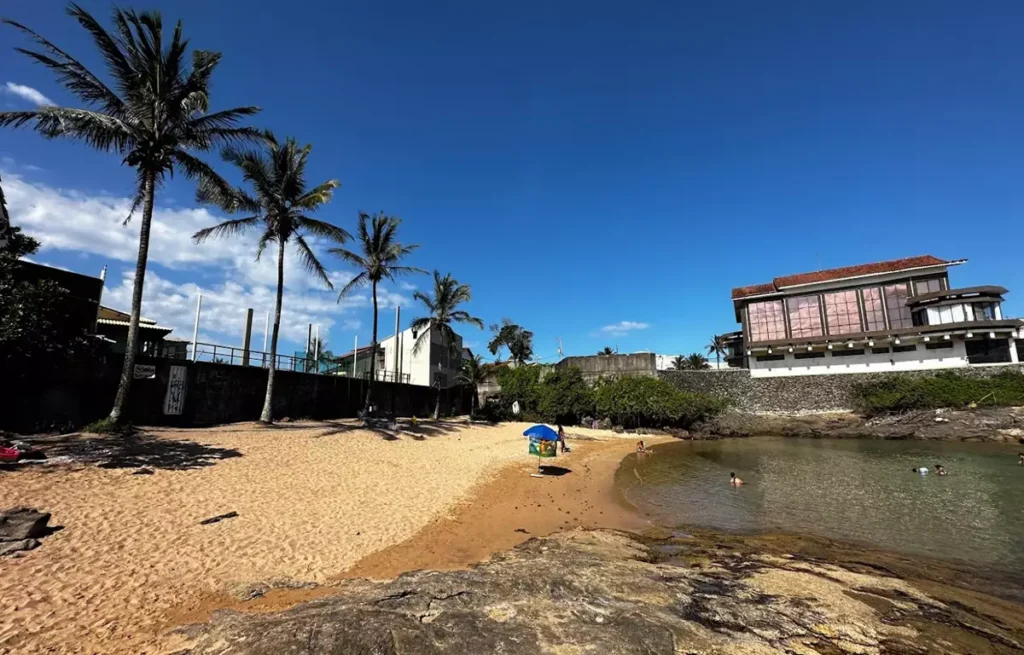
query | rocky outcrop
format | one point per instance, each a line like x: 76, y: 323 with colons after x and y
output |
x: 998, y: 424
x: 615, y: 594
x: 21, y: 528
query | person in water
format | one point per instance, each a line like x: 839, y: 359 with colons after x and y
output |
x: 921, y: 471
x: 641, y: 447
x: 561, y: 440
x: 1021, y: 460
x: 734, y: 481
x: 940, y: 469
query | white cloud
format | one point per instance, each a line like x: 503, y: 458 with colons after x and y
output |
x: 27, y: 93
x: 622, y: 328
x: 406, y: 286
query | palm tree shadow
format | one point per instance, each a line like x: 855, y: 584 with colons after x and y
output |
x: 134, y: 451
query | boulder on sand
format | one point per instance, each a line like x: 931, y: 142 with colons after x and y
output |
x: 23, y: 523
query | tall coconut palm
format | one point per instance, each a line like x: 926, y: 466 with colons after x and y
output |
x: 697, y: 362
x: 154, y: 116
x: 717, y: 347
x: 377, y: 259
x: 606, y: 351
x: 278, y: 206
x: 5, y: 220
x: 442, y: 306
x: 680, y: 363
x: 473, y: 373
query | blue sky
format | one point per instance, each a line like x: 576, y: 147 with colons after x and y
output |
x: 599, y: 172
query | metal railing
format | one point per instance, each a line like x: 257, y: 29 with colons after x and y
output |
x: 217, y: 354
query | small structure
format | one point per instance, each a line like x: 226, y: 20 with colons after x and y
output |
x: 433, y: 364
x: 898, y: 315
x: 113, y: 326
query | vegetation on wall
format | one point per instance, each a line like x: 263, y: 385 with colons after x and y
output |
x: 564, y: 396
x: 945, y: 389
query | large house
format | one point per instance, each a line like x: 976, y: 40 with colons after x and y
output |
x: 886, y: 316
x: 431, y: 365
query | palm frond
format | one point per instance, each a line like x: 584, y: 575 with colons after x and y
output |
x: 311, y: 263
x: 322, y: 229
x: 317, y: 196
x: 229, y: 228
x: 101, y: 131
x: 357, y: 281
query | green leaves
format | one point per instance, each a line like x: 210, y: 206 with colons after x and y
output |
x: 517, y: 339
x: 379, y: 253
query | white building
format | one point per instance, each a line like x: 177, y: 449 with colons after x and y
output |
x: 899, y: 315
x: 433, y: 364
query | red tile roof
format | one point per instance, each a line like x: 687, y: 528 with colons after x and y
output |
x: 832, y: 274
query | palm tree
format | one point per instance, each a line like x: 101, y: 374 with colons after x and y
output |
x: 473, y: 373
x: 516, y: 338
x: 157, y: 116
x: 378, y: 259
x: 680, y: 363
x: 279, y: 209
x: 443, y: 310
x: 717, y: 347
x: 606, y: 351
x: 5, y: 220
x: 697, y: 362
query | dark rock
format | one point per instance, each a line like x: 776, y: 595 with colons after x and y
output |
x: 143, y: 472
x: 15, y: 547
x: 23, y: 523
x: 615, y: 594
x: 604, y: 424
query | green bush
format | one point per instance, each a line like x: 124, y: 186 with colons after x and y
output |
x: 520, y: 384
x: 640, y: 401
x: 946, y: 389
x: 564, y: 397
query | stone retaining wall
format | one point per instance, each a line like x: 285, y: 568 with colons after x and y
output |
x: 799, y: 393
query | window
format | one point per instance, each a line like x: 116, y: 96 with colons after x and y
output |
x: 880, y: 351
x: 770, y: 358
x: 942, y: 345
x: 927, y: 286
x: 809, y: 355
x: 766, y: 321
x: 804, y: 317
x: 948, y: 314
x: 985, y: 311
x: 896, y: 304
x: 849, y: 352
x: 904, y: 349
x: 842, y: 312
x: 874, y: 315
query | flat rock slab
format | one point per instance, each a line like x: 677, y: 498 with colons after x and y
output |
x: 23, y: 523
x: 614, y: 593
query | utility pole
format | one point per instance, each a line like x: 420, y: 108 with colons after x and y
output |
x: 316, y: 351
x: 355, y: 355
x: 398, y: 313
x: 195, y: 330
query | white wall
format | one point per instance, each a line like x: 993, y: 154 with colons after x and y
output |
x: 417, y: 364
x: 921, y: 359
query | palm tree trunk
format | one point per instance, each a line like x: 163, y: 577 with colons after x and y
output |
x: 268, y: 402
x: 437, y: 404
x: 373, y: 356
x: 718, y: 359
x: 127, y: 371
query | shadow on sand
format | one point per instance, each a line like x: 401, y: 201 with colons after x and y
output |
x: 134, y: 451
x: 388, y: 431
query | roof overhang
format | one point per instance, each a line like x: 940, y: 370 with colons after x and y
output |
x: 914, y: 334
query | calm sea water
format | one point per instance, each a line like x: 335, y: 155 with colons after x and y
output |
x: 854, y: 490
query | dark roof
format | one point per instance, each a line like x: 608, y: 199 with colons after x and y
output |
x: 833, y: 274
x: 987, y: 291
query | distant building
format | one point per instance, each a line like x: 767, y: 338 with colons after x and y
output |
x: 84, y: 291
x: 431, y: 365
x: 895, y: 315
x: 112, y: 325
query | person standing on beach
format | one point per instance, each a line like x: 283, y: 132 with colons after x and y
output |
x: 561, y: 440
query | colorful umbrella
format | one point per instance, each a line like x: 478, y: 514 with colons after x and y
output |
x: 543, y: 442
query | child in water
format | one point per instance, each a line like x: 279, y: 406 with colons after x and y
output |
x: 734, y: 481
x: 921, y: 471
x: 940, y: 469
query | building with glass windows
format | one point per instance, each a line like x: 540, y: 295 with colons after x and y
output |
x: 896, y: 315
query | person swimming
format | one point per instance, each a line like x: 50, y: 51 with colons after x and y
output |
x: 641, y: 447
x: 734, y: 481
x: 921, y: 471
x: 940, y: 470
x: 1021, y: 460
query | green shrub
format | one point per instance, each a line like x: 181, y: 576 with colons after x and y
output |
x: 640, y: 401
x: 946, y: 389
x: 520, y: 384
x: 564, y: 397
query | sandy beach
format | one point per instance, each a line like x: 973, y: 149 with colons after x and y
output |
x: 315, y: 502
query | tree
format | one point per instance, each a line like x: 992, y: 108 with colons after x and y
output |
x: 606, y: 351
x: 443, y: 310
x: 518, y: 340
x: 5, y: 220
x: 717, y: 347
x: 318, y: 351
x: 378, y: 259
x: 279, y: 206
x: 159, y: 114
x: 697, y: 362
x: 680, y: 363
x: 473, y: 372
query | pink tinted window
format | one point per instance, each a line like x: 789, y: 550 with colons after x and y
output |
x: 874, y: 315
x: 766, y: 321
x: 804, y: 317
x: 927, y: 286
x: 842, y: 312
x: 896, y: 305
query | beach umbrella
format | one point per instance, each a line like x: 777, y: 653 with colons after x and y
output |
x: 543, y: 442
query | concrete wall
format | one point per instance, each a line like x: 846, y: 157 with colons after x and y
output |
x: 799, y: 393
x: 598, y: 366
x: 920, y: 359
x: 214, y: 393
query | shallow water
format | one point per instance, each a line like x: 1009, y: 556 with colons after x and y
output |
x: 855, y: 490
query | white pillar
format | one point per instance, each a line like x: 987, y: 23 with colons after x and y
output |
x: 355, y: 355
x: 195, y: 330
x: 1013, y: 350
